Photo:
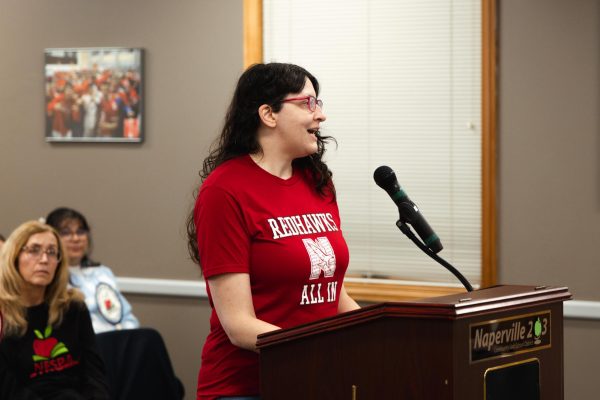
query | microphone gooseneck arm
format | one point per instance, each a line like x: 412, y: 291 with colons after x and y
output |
x: 409, y: 233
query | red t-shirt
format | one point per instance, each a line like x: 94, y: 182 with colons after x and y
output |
x: 287, y: 237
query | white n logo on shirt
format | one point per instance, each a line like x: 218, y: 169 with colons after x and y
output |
x: 322, y: 257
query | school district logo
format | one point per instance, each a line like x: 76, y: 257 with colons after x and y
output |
x: 509, y: 336
x: 537, y: 331
x: 322, y: 257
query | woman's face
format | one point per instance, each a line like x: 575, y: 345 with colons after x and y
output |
x: 38, y: 260
x: 75, y: 240
x: 297, y: 125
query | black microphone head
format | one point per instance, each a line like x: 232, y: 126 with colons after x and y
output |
x: 385, y: 177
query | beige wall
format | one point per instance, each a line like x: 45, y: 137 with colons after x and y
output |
x: 136, y: 197
x: 549, y: 143
x: 549, y: 162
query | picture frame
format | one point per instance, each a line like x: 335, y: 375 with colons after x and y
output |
x: 94, y: 94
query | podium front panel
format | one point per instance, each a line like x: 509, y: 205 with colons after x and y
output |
x: 439, y: 349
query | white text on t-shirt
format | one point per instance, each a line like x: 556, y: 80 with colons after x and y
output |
x: 302, y: 225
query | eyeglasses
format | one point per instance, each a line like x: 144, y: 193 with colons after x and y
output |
x: 311, y: 101
x: 36, y: 252
x: 65, y: 233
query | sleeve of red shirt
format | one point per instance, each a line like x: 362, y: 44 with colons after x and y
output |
x: 223, y: 239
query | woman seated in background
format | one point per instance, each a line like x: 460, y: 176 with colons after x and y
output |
x: 108, y: 307
x: 47, y: 348
x: 138, y: 364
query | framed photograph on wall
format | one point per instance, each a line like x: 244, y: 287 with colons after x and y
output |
x: 94, y: 94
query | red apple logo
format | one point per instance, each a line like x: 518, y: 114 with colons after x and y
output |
x: 46, y: 347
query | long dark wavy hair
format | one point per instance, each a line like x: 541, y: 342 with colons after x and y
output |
x: 261, y: 84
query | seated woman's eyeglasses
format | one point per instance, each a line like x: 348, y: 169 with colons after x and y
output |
x: 311, y: 101
x: 67, y: 233
x: 36, y: 252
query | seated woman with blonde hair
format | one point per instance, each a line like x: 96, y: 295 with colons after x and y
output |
x: 47, y: 345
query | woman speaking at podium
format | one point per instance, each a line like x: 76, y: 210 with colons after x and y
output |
x: 265, y: 228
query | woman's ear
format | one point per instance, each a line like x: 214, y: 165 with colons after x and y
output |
x: 267, y: 116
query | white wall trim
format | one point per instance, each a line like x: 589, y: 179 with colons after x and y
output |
x: 185, y: 288
x: 582, y: 309
x: 164, y: 287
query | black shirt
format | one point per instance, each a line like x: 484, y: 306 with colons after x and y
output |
x: 53, y: 362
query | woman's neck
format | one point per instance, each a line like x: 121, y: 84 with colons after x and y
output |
x: 278, y: 166
x: 75, y: 262
x: 33, y: 296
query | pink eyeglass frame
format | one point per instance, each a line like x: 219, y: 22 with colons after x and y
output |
x: 317, y: 102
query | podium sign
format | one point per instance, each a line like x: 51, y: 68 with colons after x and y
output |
x: 517, y: 334
x: 486, y: 344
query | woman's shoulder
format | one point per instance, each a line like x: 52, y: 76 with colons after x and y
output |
x: 229, y: 170
x: 75, y: 309
x: 98, y: 270
x: 75, y: 298
x: 101, y: 268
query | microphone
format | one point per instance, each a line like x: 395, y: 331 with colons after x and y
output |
x: 386, y: 179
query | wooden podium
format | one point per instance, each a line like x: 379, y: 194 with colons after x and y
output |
x: 504, y: 342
